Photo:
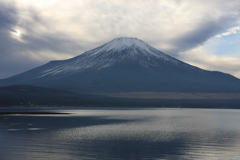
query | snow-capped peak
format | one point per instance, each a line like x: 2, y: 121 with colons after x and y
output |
x: 135, y: 48
x: 125, y: 42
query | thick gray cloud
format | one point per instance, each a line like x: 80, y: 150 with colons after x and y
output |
x: 8, y: 49
x: 199, y: 35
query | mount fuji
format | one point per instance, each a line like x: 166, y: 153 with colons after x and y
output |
x: 125, y: 65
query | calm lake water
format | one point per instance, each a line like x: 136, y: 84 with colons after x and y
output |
x: 114, y: 133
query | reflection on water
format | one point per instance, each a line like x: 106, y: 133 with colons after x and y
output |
x: 122, y: 134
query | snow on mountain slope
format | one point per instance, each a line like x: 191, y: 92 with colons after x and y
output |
x: 119, y: 50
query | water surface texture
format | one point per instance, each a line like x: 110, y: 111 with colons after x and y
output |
x: 113, y: 133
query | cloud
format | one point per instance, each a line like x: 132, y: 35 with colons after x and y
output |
x: 198, y: 35
x: 230, y: 31
x: 23, y: 46
x: 35, y: 32
x: 8, y: 19
x: 205, y: 60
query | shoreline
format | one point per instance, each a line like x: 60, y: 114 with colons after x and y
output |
x: 29, y: 113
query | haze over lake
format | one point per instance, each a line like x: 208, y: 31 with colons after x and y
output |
x: 122, y: 133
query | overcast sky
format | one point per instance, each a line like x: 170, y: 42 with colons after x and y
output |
x: 204, y: 33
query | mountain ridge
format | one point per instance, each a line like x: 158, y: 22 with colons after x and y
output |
x: 125, y: 65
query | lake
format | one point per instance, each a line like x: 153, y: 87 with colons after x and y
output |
x: 121, y: 133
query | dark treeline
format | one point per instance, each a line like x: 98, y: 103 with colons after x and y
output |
x: 38, y: 96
